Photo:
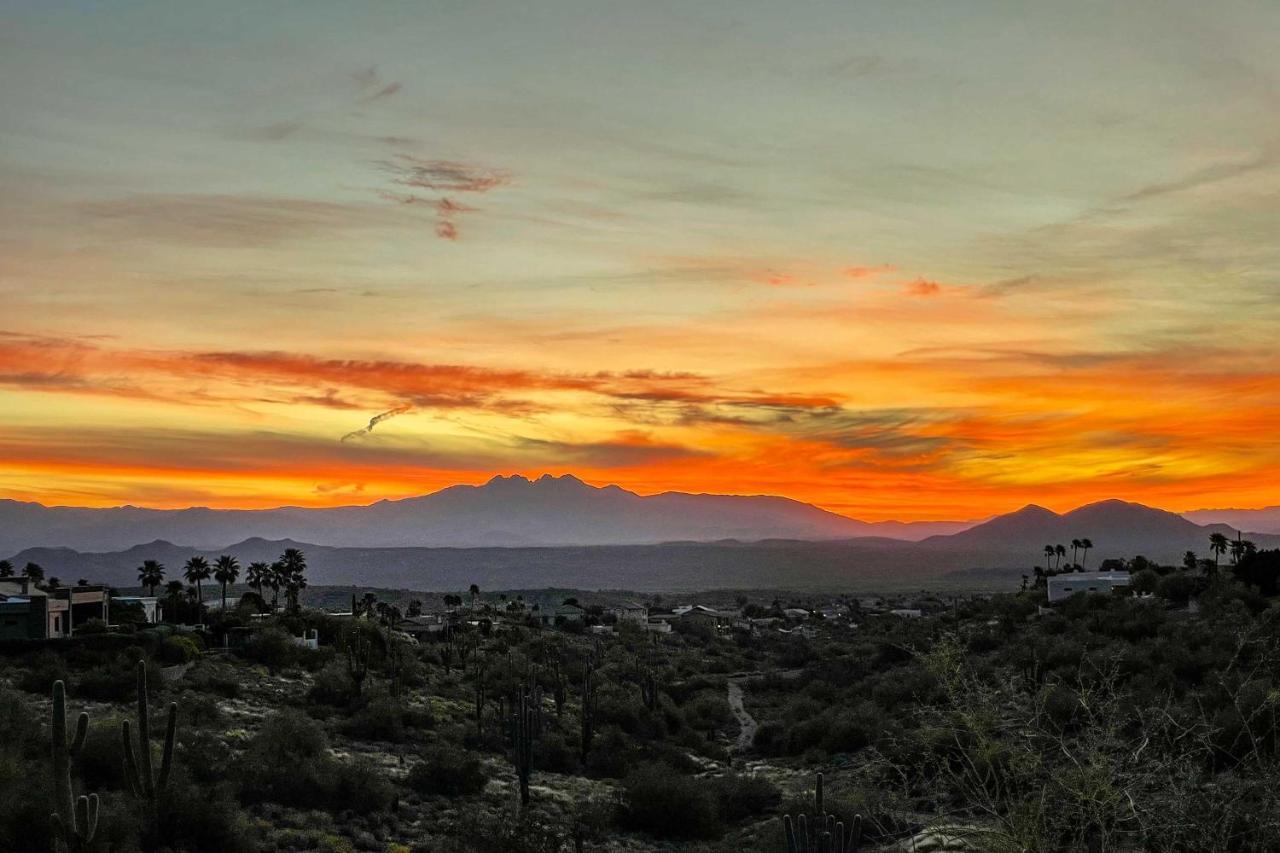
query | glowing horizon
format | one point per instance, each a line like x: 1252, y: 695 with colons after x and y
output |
x: 900, y: 262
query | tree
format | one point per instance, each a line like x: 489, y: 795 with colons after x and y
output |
x: 475, y: 593
x: 1218, y: 545
x: 1190, y: 560
x: 53, y: 583
x: 415, y: 607
x: 6, y: 569
x: 294, y: 565
x: 1075, y: 549
x: 1085, y: 545
x: 275, y: 579
x: 151, y: 575
x: 257, y: 576
x: 197, y: 570
x: 1059, y: 551
x: 33, y: 572
x: 1048, y: 556
x: 225, y: 571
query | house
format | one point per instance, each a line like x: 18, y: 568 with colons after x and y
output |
x: 569, y: 613
x: 907, y: 612
x: 422, y: 627
x: 630, y: 611
x: 703, y: 615
x: 657, y: 626
x: 152, y: 609
x: 30, y: 612
x: 1061, y: 587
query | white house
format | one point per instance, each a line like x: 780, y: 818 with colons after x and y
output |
x: 1066, y: 585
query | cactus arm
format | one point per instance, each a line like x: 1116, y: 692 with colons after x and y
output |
x: 166, y: 760
x: 130, y: 761
x: 144, y: 734
x: 82, y: 731
x: 64, y: 802
x: 92, y: 829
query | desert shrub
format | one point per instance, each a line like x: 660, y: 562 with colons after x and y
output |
x: 177, y: 649
x: 359, y: 786
x: 117, y: 680
x: 525, y: 832
x: 448, y: 772
x: 384, y: 719
x: 91, y: 627
x: 553, y: 754
x: 662, y: 803
x: 742, y: 797
x: 770, y: 738
x: 218, y: 680
x: 201, y: 819
x: 41, y: 671
x: 333, y: 685
x: 611, y: 755
x: 101, y: 760
x: 273, y: 648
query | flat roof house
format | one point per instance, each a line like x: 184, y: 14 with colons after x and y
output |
x: 31, y: 613
x: 1061, y: 587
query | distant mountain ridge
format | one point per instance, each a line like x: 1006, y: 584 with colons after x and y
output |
x: 1264, y: 520
x: 1117, y: 529
x: 504, y: 512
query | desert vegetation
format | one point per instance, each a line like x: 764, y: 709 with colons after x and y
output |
x: 1137, y: 721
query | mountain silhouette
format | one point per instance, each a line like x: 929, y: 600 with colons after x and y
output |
x: 504, y: 512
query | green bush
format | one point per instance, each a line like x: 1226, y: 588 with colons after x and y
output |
x: 742, y: 797
x: 448, y: 772
x: 664, y: 804
x: 177, y: 649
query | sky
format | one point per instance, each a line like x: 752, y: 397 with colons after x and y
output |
x: 910, y: 259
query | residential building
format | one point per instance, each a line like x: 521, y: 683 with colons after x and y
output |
x: 1064, y: 586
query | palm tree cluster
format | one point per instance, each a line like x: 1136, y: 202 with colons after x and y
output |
x: 1053, y: 555
x: 287, y: 573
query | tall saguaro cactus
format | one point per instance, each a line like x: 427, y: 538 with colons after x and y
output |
x: 74, y: 818
x: 588, y: 711
x: 824, y: 834
x: 522, y: 735
x: 144, y: 784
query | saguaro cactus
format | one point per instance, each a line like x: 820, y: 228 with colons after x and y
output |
x: 523, y: 730
x: 143, y: 782
x: 75, y: 818
x: 824, y: 834
x: 588, y: 711
x: 358, y: 654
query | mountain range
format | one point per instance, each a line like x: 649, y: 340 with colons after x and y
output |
x: 505, y: 512
x: 519, y: 533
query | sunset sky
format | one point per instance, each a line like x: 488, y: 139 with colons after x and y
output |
x: 911, y: 260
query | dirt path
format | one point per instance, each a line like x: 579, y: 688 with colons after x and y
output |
x: 747, y: 724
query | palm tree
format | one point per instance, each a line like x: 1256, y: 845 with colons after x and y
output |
x: 275, y: 580
x: 1048, y: 556
x: 34, y: 572
x: 196, y: 570
x: 1085, y: 545
x: 257, y: 576
x: 294, y: 565
x: 151, y: 575
x: 1060, y: 551
x: 6, y: 569
x: 475, y: 592
x: 1075, y: 547
x: 225, y: 571
x: 1218, y: 545
x: 1190, y: 560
